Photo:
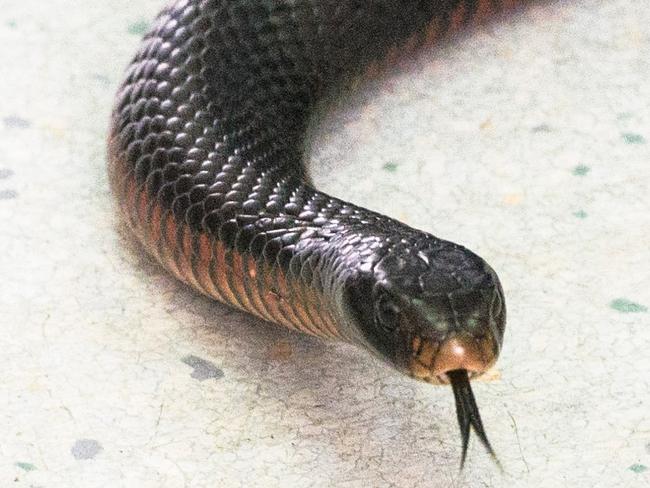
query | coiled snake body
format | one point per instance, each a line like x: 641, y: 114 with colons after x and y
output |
x: 205, y: 160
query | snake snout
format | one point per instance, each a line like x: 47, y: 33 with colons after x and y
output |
x: 432, y: 361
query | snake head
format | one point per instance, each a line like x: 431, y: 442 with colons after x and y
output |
x: 435, y: 311
x: 429, y: 308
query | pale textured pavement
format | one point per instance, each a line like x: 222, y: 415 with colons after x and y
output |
x: 528, y: 141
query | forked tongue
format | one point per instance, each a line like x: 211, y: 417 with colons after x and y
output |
x: 467, y: 412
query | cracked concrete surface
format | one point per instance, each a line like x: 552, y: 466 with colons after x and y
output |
x: 528, y: 141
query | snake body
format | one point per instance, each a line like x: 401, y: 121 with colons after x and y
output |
x: 205, y: 161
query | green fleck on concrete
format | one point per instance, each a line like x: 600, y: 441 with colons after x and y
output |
x: 390, y: 167
x: 26, y: 466
x: 626, y: 306
x: 638, y: 468
x: 580, y: 214
x: 138, y: 28
x: 12, y: 24
x: 632, y: 138
x: 581, y: 170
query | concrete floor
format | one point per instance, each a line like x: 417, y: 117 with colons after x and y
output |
x: 529, y: 141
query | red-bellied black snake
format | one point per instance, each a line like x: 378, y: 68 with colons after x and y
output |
x: 205, y: 160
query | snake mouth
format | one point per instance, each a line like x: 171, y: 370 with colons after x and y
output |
x: 431, y: 360
x: 455, y: 361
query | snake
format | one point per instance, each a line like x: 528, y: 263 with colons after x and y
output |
x: 206, y: 153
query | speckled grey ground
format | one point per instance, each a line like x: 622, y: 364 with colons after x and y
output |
x: 528, y: 141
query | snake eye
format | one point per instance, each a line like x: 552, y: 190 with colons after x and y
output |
x: 387, y: 313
